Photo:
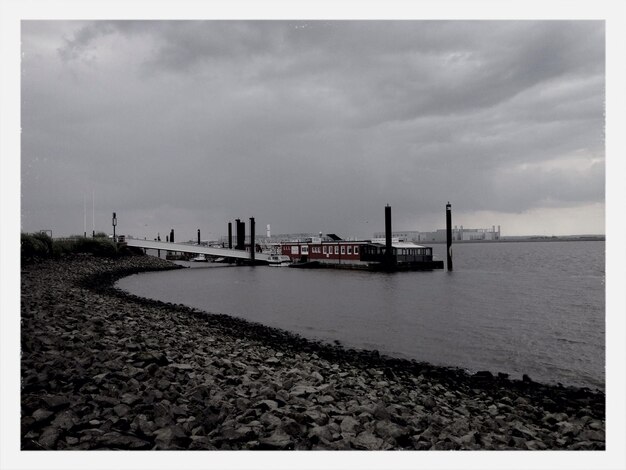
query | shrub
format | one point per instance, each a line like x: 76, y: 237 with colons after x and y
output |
x: 96, y: 246
x: 32, y: 247
x: 46, y: 240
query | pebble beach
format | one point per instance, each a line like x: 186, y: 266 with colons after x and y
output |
x: 102, y: 369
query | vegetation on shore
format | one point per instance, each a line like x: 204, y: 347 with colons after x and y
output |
x: 42, y: 246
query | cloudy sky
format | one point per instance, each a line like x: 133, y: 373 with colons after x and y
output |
x: 312, y: 126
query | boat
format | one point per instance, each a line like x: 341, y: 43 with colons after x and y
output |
x: 275, y: 259
x: 199, y: 258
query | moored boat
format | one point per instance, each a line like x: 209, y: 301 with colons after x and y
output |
x: 278, y: 260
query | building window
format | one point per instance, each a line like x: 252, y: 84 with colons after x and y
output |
x: 336, y: 249
x: 349, y: 249
x: 356, y: 250
x: 305, y: 250
x: 294, y: 249
x: 325, y: 249
x: 343, y: 250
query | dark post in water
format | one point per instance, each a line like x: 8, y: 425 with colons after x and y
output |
x: 388, y: 245
x: 252, y: 248
x: 230, y: 235
x: 198, y: 236
x: 172, y: 236
x: 237, y: 233
x: 449, y: 234
x: 241, y: 235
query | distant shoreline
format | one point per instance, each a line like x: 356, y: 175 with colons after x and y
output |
x: 516, y: 239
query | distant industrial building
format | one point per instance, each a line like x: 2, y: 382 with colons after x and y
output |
x: 439, y: 235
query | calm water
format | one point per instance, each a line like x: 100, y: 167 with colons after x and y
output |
x: 534, y: 307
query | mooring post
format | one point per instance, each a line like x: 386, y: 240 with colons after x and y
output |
x: 388, y: 244
x: 449, y: 234
x: 230, y: 235
x: 241, y: 235
x: 237, y: 233
x: 172, y: 236
x: 198, y: 236
x: 252, y: 254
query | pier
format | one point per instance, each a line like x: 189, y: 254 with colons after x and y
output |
x: 259, y: 258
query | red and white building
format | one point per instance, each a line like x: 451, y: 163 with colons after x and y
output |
x: 366, y: 253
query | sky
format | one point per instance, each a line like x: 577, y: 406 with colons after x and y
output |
x: 312, y: 126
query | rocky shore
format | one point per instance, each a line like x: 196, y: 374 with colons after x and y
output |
x: 105, y: 370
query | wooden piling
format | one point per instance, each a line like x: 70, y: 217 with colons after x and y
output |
x: 449, y: 234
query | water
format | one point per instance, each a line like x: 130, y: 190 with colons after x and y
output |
x: 531, y: 307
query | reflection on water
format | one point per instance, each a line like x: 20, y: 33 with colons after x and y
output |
x: 535, y: 308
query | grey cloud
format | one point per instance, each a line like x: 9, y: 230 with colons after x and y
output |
x: 311, y: 124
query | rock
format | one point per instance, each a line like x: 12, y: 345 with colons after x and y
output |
x: 320, y: 433
x: 316, y: 416
x: 277, y: 440
x: 367, y: 441
x: 429, y: 403
x: 266, y: 405
x: 520, y: 430
x: 536, y: 445
x: 349, y: 425
x: 468, y: 439
x: 56, y: 402
x: 121, y: 409
x: 49, y: 437
x: 171, y: 437
x: 388, y: 430
x: 317, y: 376
x: 65, y: 420
x: 291, y: 427
x: 238, y: 434
x: 483, y: 375
x: 270, y: 420
x: 302, y: 390
x: 42, y: 415
x: 591, y: 435
x: 115, y: 440
x: 568, y: 429
x: 181, y: 366
x: 130, y: 399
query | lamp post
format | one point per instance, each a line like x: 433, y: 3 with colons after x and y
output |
x: 114, y: 224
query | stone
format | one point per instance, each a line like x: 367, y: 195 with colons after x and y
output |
x: 316, y: 416
x: 322, y: 433
x: 520, y: 430
x: 591, y: 435
x: 49, y: 437
x: 536, y: 445
x: 121, y: 409
x: 171, y: 437
x: 42, y: 415
x: 65, y: 420
x: 429, y: 403
x: 266, y: 405
x: 367, y: 441
x: 291, y: 427
x: 115, y: 440
x: 277, y: 440
x: 56, y: 402
x: 302, y: 390
x: 349, y: 425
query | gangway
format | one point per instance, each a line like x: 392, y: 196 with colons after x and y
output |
x: 196, y: 249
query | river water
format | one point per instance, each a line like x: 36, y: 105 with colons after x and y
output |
x: 535, y: 308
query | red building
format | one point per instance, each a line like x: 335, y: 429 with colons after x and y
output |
x: 370, y: 254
